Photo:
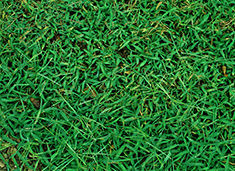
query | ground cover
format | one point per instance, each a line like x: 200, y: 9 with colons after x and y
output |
x: 117, y: 85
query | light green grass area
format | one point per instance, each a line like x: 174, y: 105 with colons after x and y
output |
x: 117, y: 85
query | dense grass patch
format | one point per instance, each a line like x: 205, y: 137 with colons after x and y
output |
x: 117, y: 85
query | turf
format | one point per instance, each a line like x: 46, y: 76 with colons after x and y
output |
x: 117, y: 85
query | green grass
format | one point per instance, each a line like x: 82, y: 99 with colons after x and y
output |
x: 120, y: 85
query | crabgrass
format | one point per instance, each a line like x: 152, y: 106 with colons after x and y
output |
x: 117, y: 85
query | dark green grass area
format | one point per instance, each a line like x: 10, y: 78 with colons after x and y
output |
x: 117, y: 85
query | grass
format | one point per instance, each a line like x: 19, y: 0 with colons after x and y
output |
x: 117, y: 85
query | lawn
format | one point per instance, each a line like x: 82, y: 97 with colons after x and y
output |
x: 117, y: 85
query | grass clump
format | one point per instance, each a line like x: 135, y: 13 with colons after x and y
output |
x: 117, y: 85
